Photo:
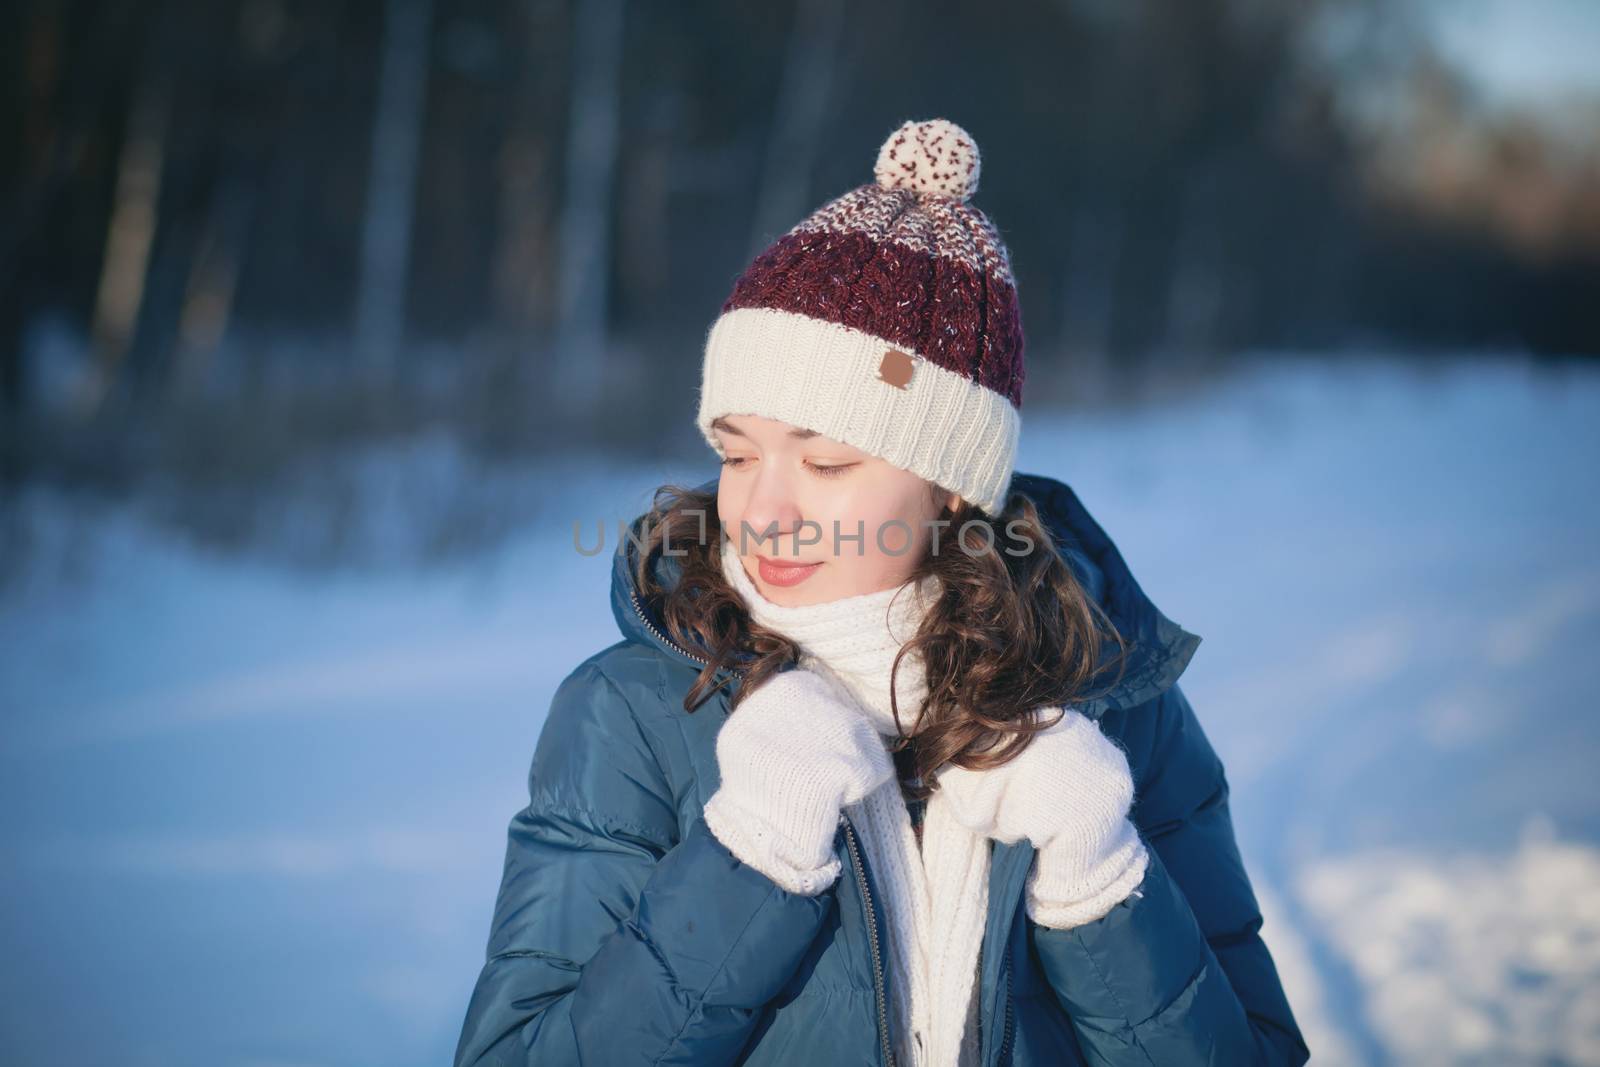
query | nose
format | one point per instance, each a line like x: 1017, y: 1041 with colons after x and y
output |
x: 772, y: 513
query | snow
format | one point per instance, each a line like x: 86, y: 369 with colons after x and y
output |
x: 257, y: 812
x: 1480, y: 957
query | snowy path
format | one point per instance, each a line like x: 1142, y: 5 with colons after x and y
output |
x: 257, y: 818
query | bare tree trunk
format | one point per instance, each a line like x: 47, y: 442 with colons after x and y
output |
x: 391, y: 187
x: 797, y: 122
x: 124, y: 269
x: 592, y: 144
x: 213, y: 276
x: 36, y: 54
x: 523, y: 249
x: 1195, y: 284
x: 1088, y: 300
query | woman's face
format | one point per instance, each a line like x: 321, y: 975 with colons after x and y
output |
x: 866, y: 523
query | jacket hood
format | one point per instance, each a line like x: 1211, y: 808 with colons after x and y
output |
x: 1159, y: 649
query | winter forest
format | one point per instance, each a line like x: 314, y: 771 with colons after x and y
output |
x: 322, y: 324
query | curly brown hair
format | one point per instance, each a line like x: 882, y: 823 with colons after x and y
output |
x: 1012, y: 631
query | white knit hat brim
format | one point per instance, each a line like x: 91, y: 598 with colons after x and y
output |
x: 822, y: 376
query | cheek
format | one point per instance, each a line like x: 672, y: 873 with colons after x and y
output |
x: 886, y: 534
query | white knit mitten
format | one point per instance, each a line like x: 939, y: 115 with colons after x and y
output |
x: 792, y: 756
x: 1069, y: 793
x: 1070, y: 887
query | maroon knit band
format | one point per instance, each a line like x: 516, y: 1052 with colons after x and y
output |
x: 935, y: 305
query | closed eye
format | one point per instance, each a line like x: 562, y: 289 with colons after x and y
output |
x: 737, y: 462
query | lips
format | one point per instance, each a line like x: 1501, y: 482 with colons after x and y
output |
x: 774, y: 572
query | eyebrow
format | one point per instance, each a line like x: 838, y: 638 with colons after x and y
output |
x: 726, y: 427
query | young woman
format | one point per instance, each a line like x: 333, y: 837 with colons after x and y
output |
x: 891, y: 765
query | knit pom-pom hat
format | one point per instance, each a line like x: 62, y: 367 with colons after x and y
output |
x: 887, y: 320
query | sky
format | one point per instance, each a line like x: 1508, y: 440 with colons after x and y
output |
x: 1521, y: 51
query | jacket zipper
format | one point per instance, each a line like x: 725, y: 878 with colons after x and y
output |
x: 639, y: 611
x: 1005, y: 1040
x: 663, y: 638
x: 872, y: 939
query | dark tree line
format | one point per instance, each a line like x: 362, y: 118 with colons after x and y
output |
x: 405, y: 209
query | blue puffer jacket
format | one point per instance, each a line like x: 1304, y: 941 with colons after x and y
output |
x: 626, y: 933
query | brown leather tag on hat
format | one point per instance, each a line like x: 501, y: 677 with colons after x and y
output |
x: 896, y: 368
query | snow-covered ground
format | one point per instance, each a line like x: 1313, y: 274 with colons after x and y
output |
x: 256, y: 816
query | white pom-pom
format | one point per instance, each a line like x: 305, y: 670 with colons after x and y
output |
x: 933, y: 156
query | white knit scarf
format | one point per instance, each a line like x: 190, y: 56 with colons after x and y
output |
x: 937, y: 897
